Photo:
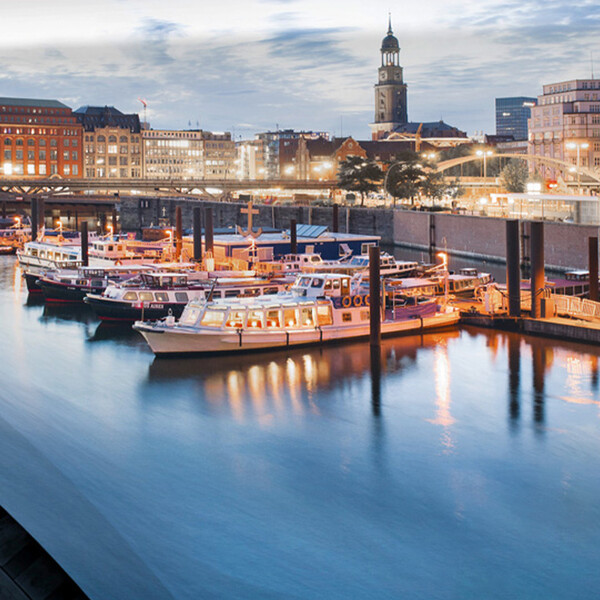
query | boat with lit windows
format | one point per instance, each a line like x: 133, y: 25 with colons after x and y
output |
x: 72, y: 285
x: 464, y: 283
x: 323, y: 307
x: 155, y: 295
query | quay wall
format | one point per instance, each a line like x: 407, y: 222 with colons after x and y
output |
x: 470, y: 236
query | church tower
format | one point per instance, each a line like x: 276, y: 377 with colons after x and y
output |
x: 390, y: 91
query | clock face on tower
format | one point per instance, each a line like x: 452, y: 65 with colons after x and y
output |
x: 383, y: 76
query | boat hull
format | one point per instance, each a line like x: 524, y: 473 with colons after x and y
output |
x: 117, y: 310
x: 177, y: 341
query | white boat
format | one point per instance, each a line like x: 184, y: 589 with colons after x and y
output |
x: 322, y: 307
x: 464, y: 283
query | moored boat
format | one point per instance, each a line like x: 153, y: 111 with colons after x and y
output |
x: 324, y: 307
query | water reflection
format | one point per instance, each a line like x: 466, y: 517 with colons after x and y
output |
x: 80, y: 313
x: 443, y: 416
x: 119, y: 333
x: 277, y: 381
x: 514, y: 376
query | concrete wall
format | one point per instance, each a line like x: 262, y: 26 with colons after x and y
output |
x: 478, y: 237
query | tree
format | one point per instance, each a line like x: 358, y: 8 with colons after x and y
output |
x: 408, y: 175
x: 514, y: 176
x: 357, y: 174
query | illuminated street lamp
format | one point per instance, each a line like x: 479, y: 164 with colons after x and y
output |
x: 577, y: 146
x: 484, y: 154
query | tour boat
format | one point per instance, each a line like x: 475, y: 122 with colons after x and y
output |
x: 323, y: 307
x: 464, y: 283
x: 155, y: 295
x: 72, y: 285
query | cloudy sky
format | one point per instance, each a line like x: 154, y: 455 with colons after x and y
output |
x: 253, y: 65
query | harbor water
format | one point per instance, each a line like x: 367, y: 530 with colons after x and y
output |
x: 468, y: 467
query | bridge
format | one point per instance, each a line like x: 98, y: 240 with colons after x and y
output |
x: 214, y: 188
x: 564, y: 166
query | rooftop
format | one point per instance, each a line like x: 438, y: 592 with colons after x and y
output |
x: 34, y: 102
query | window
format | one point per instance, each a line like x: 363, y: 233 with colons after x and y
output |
x: 31, y: 142
x: 8, y: 155
x: 19, y: 141
x: 42, y: 169
x: 273, y: 318
x: 30, y: 169
x: 65, y: 155
x: 130, y: 296
x: 123, y: 139
x: 75, y: 169
x: 19, y: 154
x: 112, y: 139
x: 213, y: 318
x: 67, y: 170
x: 146, y: 296
x: 42, y: 142
x: 53, y: 143
x: 289, y: 317
x: 162, y: 296
x: 346, y: 317
x: 7, y: 141
x: 66, y: 142
x: 181, y: 296
x: 255, y: 319
x: 324, y: 315
x: 112, y: 148
x: 74, y: 155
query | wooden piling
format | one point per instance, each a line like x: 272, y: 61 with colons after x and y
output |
x: 374, y: 296
x: 293, y: 238
x: 513, y: 272
x: 84, y: 243
x: 593, y: 267
x: 208, y: 230
x: 537, y: 268
x: 178, y: 233
x: 34, y: 218
x: 41, y: 212
x: 197, y: 226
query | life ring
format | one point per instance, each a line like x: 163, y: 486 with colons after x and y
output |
x: 118, y: 263
x: 367, y: 300
x: 346, y: 301
x: 357, y: 301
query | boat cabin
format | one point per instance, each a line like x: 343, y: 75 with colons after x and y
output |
x: 318, y: 285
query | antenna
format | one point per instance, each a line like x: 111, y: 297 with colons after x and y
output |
x: 145, y: 104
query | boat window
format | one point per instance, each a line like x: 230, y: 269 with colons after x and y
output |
x: 327, y: 284
x: 130, y: 296
x: 316, y: 258
x: 346, y: 317
x: 82, y: 282
x: 235, y: 319
x: 146, y: 296
x: 270, y: 290
x: 213, y: 318
x: 255, y: 319
x: 336, y: 284
x: 189, y: 316
x: 273, y: 318
x: 306, y: 316
x: 34, y: 252
x: 316, y: 283
x: 110, y: 248
x: 251, y: 292
x: 96, y: 283
x: 364, y: 315
x: 162, y: 296
x: 304, y: 281
x: 181, y: 296
x: 289, y: 317
x: 324, y: 316
x: 231, y: 294
x: 66, y: 281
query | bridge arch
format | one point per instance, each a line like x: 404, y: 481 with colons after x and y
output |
x: 546, y: 160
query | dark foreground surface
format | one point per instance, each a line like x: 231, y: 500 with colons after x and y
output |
x: 470, y: 469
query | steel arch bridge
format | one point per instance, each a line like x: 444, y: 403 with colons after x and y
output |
x: 546, y: 160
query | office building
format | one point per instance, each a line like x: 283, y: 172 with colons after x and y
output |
x: 512, y: 115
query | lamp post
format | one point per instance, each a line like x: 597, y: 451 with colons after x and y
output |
x: 484, y: 154
x: 577, y: 146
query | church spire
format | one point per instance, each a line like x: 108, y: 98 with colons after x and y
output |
x: 390, y: 32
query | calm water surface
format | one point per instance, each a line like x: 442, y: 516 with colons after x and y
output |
x: 470, y: 469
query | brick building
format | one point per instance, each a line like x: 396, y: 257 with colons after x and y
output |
x: 112, y: 142
x: 39, y: 139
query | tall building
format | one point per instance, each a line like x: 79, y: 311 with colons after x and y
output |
x: 390, y: 90
x: 188, y: 154
x: 39, y: 138
x: 251, y: 159
x: 112, y: 142
x: 565, y: 124
x: 277, y: 141
x: 512, y: 115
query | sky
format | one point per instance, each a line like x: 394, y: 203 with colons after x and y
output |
x: 246, y: 66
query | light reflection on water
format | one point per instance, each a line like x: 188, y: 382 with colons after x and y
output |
x: 451, y: 465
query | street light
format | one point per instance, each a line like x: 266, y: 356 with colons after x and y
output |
x: 484, y: 154
x: 577, y: 146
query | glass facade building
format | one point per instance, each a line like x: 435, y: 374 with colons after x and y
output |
x: 512, y: 115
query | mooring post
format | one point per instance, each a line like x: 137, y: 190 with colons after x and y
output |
x: 374, y: 296
x: 537, y: 268
x: 41, y: 213
x: 4, y: 209
x: 513, y: 268
x: 335, y: 218
x: 178, y: 233
x: 84, y: 244
x: 208, y: 230
x: 34, y: 219
x: 293, y: 239
x: 102, y: 223
x: 113, y: 219
x: 593, y: 267
x: 197, y: 225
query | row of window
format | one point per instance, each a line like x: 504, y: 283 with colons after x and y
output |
x: 41, y: 142
x: 112, y: 149
x: 41, y: 154
x: 102, y: 172
x: 112, y: 139
x: 38, y: 120
x: 39, y: 111
x: 40, y: 169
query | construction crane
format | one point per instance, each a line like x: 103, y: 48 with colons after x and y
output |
x: 145, y: 105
